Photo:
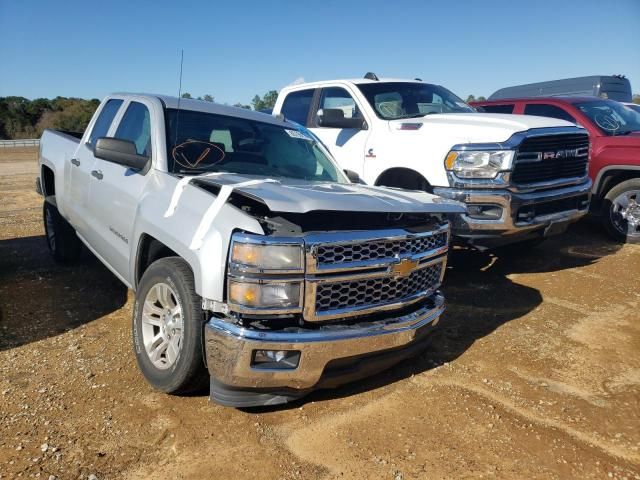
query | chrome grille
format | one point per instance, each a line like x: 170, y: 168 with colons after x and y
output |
x: 535, y: 163
x: 378, y: 249
x: 372, y: 292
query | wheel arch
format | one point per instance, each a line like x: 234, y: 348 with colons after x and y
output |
x: 403, y: 177
x: 608, y: 178
x: 48, y: 184
x: 149, y: 250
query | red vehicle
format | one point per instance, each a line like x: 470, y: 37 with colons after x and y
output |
x: 615, y: 153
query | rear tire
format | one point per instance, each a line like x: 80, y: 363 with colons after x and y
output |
x: 63, y: 243
x: 168, y: 328
x: 621, y: 211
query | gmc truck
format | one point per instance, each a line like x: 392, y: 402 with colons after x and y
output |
x: 521, y: 178
x: 614, y: 129
x: 256, y: 265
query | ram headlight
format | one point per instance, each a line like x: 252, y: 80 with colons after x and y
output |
x: 479, y: 164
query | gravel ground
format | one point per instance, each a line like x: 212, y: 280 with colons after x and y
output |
x: 533, y: 373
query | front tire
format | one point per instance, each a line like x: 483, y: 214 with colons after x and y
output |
x: 621, y: 211
x: 168, y: 326
x: 63, y: 243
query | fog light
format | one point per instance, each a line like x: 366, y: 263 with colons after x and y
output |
x: 285, y: 359
x: 484, y: 212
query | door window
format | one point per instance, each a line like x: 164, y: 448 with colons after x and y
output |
x: 545, y: 110
x: 135, y: 126
x: 296, y: 106
x: 338, y: 98
x: 506, y: 108
x: 103, y: 122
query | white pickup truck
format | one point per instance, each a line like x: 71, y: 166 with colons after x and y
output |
x: 250, y: 252
x: 521, y: 177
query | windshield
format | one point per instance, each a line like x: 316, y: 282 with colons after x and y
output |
x: 393, y: 100
x: 200, y: 142
x: 612, y: 117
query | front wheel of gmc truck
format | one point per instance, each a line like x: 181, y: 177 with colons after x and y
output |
x: 168, y: 324
x: 621, y: 211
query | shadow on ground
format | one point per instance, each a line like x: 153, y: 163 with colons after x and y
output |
x: 481, y: 297
x: 40, y: 299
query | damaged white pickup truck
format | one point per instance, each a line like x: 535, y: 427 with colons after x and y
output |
x: 250, y: 253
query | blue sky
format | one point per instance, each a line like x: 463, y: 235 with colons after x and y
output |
x: 234, y: 50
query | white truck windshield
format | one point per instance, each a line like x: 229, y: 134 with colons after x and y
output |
x: 394, y: 100
x: 200, y: 142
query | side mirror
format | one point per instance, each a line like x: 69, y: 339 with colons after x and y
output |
x: 334, y: 118
x: 353, y: 176
x: 122, y: 152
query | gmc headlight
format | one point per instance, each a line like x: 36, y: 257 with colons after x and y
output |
x: 270, y: 295
x: 479, y: 164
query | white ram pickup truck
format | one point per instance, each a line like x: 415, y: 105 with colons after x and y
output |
x: 521, y: 177
x: 250, y: 253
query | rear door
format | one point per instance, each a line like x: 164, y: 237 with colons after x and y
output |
x: 347, y: 145
x: 78, y: 169
x: 116, y: 190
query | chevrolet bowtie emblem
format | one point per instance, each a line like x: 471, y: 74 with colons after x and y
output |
x: 403, y: 268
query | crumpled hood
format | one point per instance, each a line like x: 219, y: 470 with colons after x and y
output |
x: 300, y: 196
x: 478, y: 127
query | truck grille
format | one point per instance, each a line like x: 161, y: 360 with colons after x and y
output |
x: 551, y: 157
x: 372, y: 271
x: 374, y: 250
x: 376, y: 291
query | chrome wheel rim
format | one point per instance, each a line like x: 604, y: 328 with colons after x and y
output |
x: 162, y: 324
x: 625, y: 213
x: 50, y: 229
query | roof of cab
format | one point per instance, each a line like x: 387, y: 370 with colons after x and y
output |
x: 356, y: 81
x: 207, y: 107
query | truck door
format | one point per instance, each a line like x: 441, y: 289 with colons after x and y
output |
x: 115, y: 191
x: 346, y: 144
x: 79, y: 169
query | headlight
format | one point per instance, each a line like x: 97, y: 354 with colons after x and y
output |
x: 267, y: 257
x: 268, y: 295
x: 479, y: 164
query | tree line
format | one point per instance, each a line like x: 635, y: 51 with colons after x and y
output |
x: 24, y: 118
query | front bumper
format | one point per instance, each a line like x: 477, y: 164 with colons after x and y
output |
x: 230, y: 352
x: 523, y: 213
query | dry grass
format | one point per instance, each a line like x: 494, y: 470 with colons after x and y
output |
x: 18, y: 154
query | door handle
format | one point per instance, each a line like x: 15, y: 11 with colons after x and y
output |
x: 97, y: 174
x: 75, y: 161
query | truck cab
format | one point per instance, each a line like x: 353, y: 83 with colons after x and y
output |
x: 415, y: 135
x: 614, y: 129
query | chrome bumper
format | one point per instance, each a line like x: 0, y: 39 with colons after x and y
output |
x: 510, y: 223
x: 230, y: 348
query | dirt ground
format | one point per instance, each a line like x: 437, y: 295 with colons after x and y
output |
x: 533, y: 373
